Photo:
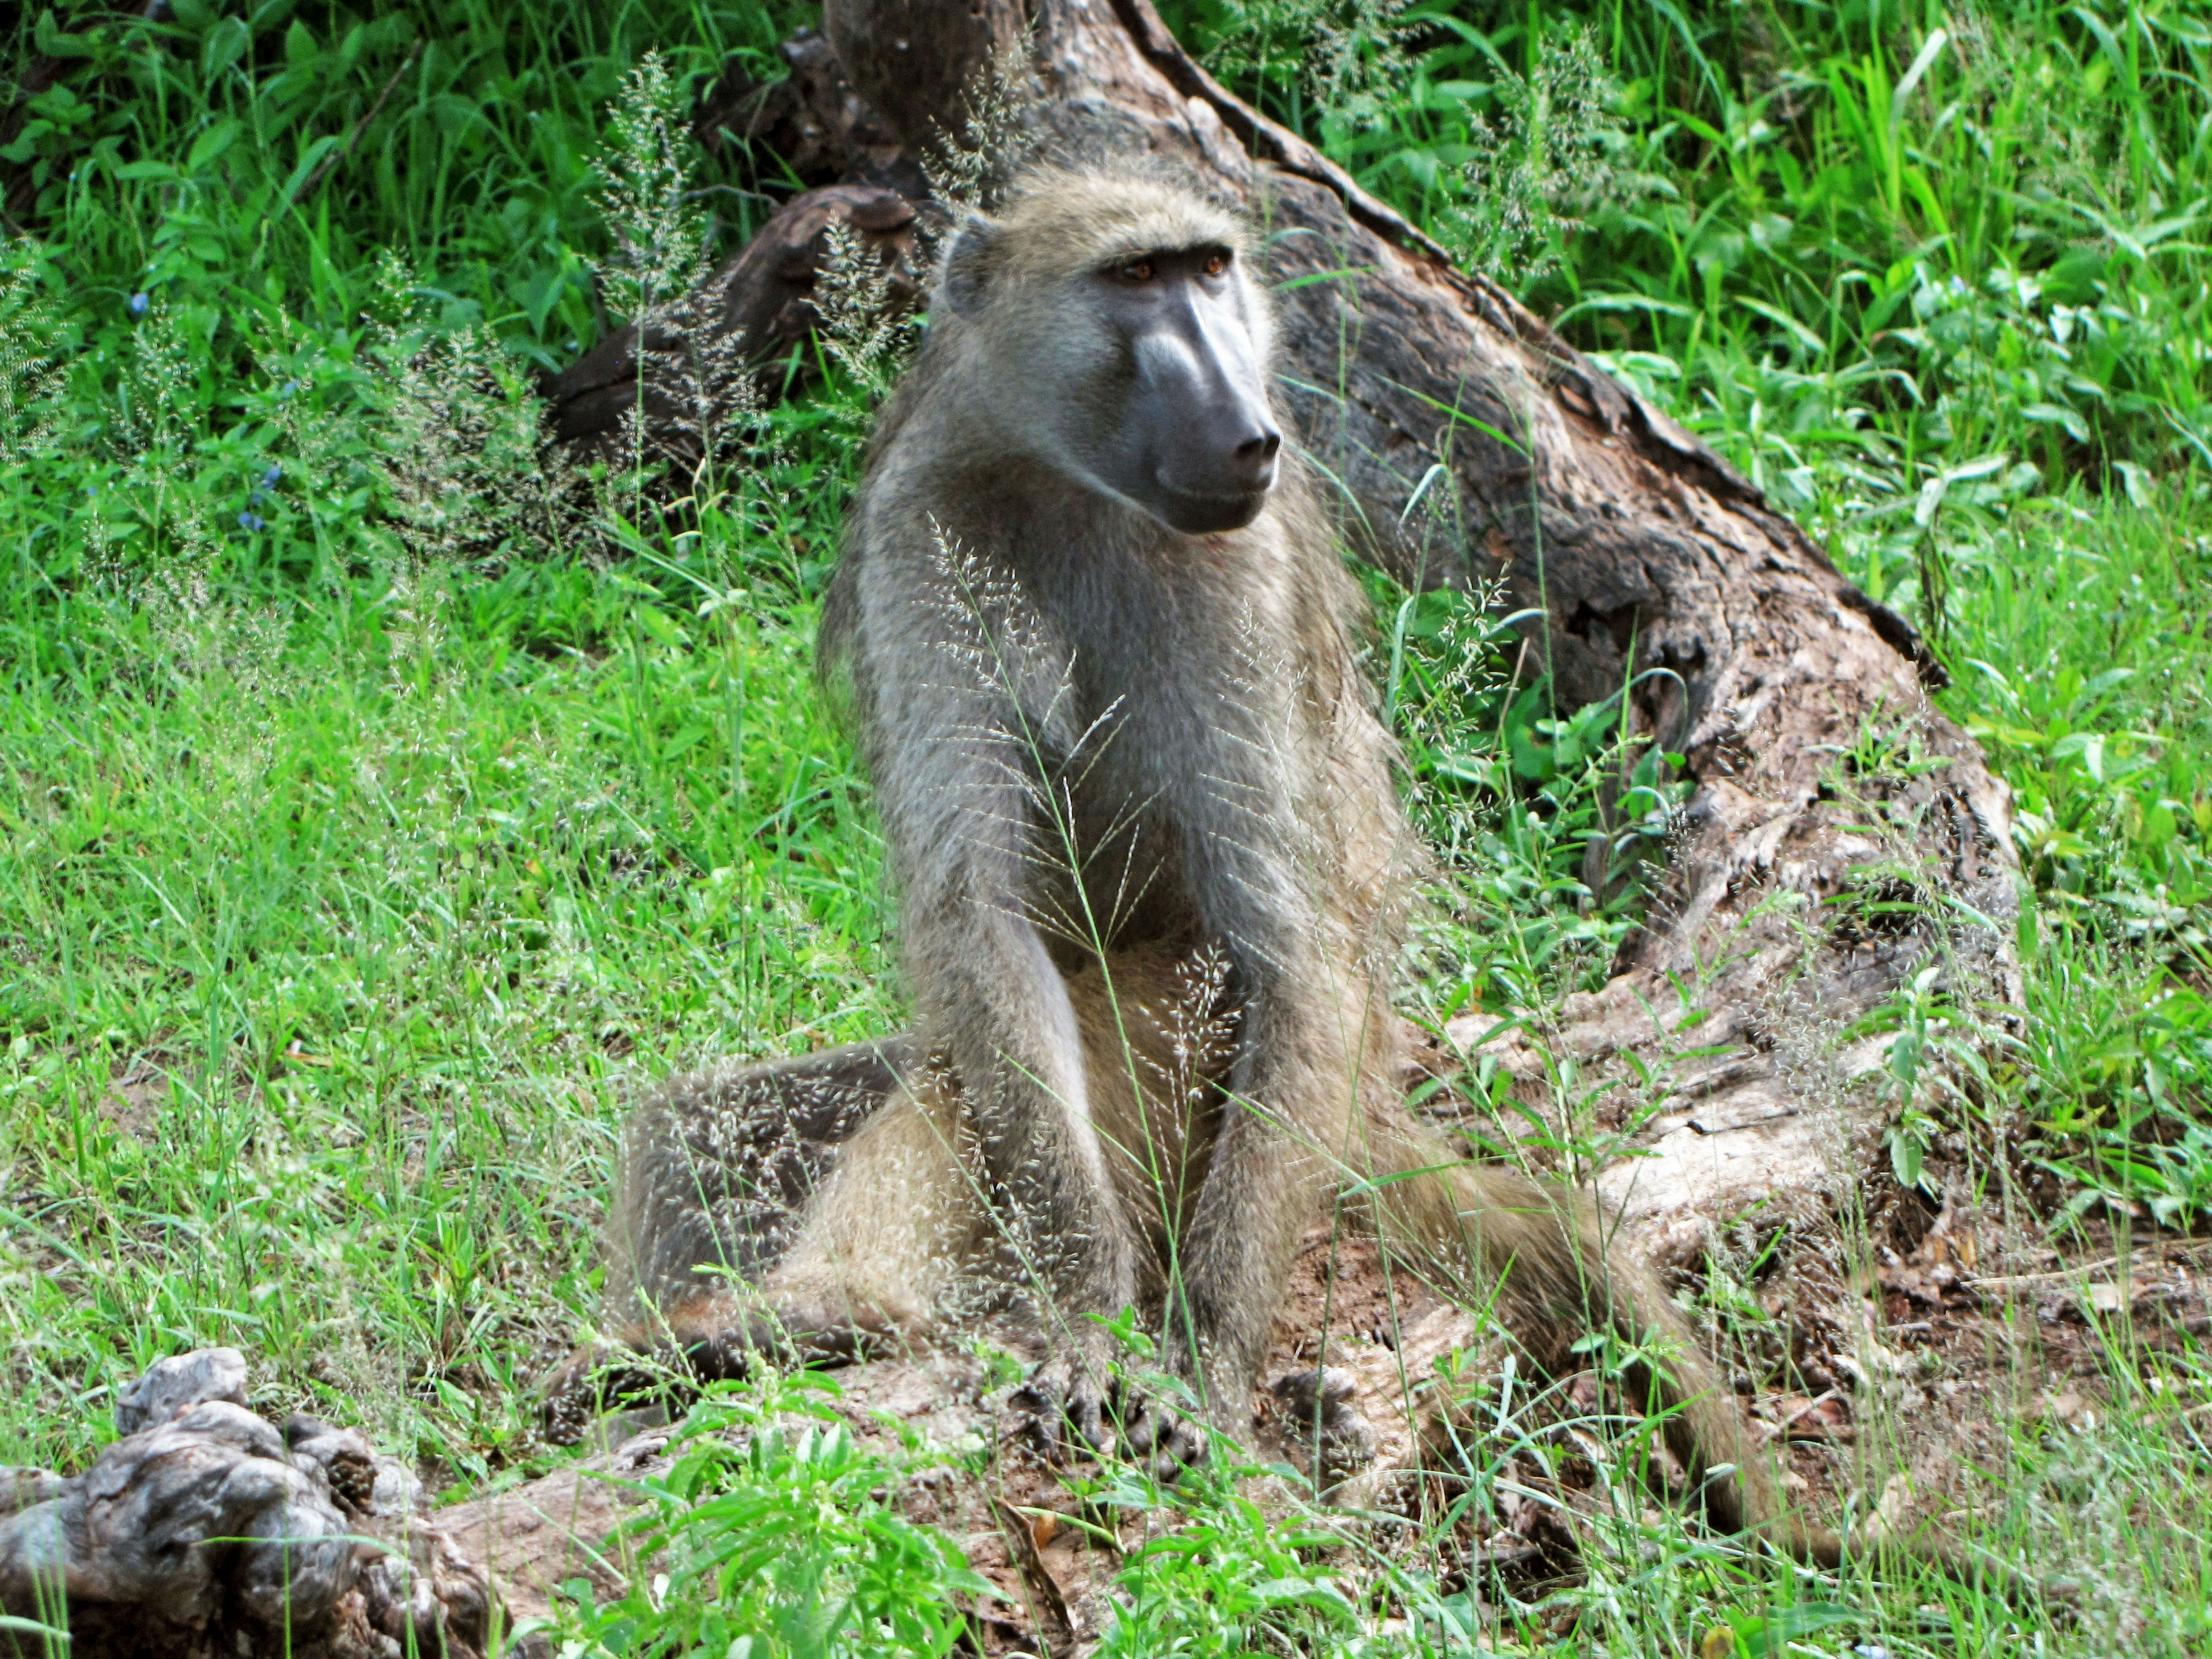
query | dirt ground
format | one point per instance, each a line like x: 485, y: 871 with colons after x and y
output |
x: 1920, y: 1362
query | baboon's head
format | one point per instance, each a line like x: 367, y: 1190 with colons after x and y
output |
x: 1111, y: 331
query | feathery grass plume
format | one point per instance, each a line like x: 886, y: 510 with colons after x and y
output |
x: 1349, y: 56
x: 154, y: 531
x: 860, y: 320
x: 696, y: 427
x: 31, y: 374
x: 153, y: 402
x: 644, y: 194
x: 1546, y: 156
x: 1449, y: 682
x: 996, y: 644
x: 993, y: 632
x: 970, y: 167
x: 1201, y: 1031
x: 696, y: 430
x: 463, y: 476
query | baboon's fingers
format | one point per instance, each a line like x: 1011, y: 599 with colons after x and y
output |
x: 1157, y: 1437
x: 1080, y: 1393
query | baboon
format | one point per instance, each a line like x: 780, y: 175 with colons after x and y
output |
x: 1103, y: 659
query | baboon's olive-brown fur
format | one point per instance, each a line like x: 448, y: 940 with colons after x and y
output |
x: 1149, y: 858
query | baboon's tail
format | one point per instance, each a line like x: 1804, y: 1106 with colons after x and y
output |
x: 717, y: 1165
x: 1466, y: 1228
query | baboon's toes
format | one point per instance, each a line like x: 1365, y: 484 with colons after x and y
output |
x: 1325, y: 1421
x: 726, y: 1356
x: 597, y: 1378
x: 736, y: 1349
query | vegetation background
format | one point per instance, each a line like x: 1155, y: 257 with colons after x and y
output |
x: 379, y: 803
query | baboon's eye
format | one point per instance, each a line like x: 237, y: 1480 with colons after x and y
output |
x: 1137, y: 270
x: 1215, y: 263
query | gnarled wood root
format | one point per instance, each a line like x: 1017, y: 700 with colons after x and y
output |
x: 207, y: 1531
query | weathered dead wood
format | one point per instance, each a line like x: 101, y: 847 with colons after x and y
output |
x: 810, y: 129
x: 206, y: 1531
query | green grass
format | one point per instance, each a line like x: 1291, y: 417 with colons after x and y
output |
x: 399, y: 845
x: 396, y: 890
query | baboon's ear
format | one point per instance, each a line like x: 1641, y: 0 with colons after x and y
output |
x: 970, y: 264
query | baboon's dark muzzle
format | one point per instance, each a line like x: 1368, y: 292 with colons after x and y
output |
x: 1214, y: 456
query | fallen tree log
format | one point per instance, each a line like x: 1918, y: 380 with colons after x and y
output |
x: 1809, y: 875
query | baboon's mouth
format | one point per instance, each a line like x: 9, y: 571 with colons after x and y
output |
x: 1204, y: 512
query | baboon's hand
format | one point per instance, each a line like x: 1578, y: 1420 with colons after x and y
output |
x: 1326, y: 1425
x: 1161, y: 1438
x: 1106, y: 1417
x: 597, y: 1378
x: 1087, y: 1413
x: 1077, y: 1390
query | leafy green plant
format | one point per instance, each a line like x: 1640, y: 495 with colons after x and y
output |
x: 780, y: 1540
x: 1227, y: 1579
x: 1542, y: 818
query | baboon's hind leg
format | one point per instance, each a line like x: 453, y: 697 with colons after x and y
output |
x: 716, y: 1167
x: 892, y: 1243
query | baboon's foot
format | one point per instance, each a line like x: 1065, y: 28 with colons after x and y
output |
x: 668, y: 1366
x: 599, y: 1377
x: 730, y: 1350
x: 1324, y: 1424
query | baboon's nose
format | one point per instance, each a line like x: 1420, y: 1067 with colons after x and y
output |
x: 1256, y: 457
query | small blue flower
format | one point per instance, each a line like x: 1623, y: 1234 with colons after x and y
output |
x: 251, y: 521
x: 269, y: 478
x: 138, y: 304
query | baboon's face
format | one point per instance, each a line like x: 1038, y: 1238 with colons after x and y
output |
x: 1183, y: 430
x: 1115, y: 335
